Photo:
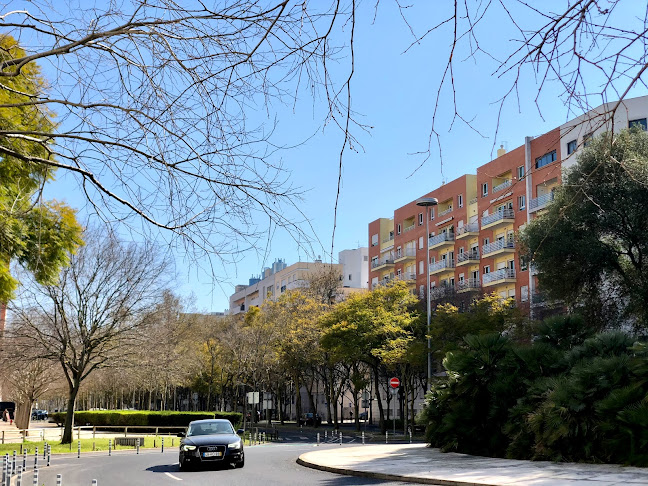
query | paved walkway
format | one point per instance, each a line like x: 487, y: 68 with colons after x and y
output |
x: 419, y: 464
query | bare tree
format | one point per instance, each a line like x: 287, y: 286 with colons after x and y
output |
x: 94, y: 313
x: 166, y: 109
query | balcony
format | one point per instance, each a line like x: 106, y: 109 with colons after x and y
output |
x: 382, y: 263
x: 442, y: 292
x: 505, y: 216
x: 504, y: 245
x: 445, y: 211
x: 445, y: 265
x: 404, y: 255
x: 445, y: 238
x: 473, y: 201
x: 467, y: 257
x: 383, y: 281
x: 388, y: 238
x: 409, y: 228
x: 504, y: 275
x: 468, y: 285
x: 467, y: 230
x: 407, y: 277
x: 502, y: 186
x: 541, y: 201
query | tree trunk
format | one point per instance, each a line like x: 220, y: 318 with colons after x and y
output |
x: 381, y: 420
x: 22, y: 414
x: 73, y: 390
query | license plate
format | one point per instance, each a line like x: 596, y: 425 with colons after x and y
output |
x: 212, y: 454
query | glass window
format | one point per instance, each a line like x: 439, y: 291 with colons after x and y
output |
x: 374, y: 240
x: 520, y: 172
x: 460, y: 200
x: 587, y: 139
x: 420, y: 242
x: 522, y: 201
x: 399, y: 228
x: 420, y: 218
x: 485, y: 189
x: 546, y: 159
x: 571, y: 146
x: 639, y: 123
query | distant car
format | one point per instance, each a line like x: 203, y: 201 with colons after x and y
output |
x: 211, y: 441
x: 363, y: 415
x: 310, y: 419
x: 39, y: 415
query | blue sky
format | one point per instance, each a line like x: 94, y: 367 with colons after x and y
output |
x: 394, y: 93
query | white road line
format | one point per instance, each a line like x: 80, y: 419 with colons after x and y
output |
x: 172, y: 476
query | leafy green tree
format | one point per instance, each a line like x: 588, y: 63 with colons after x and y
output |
x: 590, y: 246
x: 38, y: 234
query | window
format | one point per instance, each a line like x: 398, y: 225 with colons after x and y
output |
x: 421, y: 269
x: 485, y: 189
x: 571, y: 146
x: 520, y: 173
x: 431, y: 214
x: 522, y: 202
x: 374, y: 240
x: 399, y: 229
x: 587, y: 139
x: 486, y: 241
x: 460, y: 200
x: 639, y: 123
x: 524, y: 293
x: 349, y: 277
x: 420, y: 219
x: 486, y: 269
x: 546, y: 159
x: 420, y: 242
x: 365, y: 258
x: 524, y: 263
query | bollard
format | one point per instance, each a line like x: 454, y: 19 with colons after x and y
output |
x: 340, y: 438
x: 35, y: 458
x: 162, y: 448
x: 13, y: 463
x: 325, y: 435
x: 94, y: 482
x: 59, y: 480
x: 79, y: 450
x: 410, y: 433
x: 363, y: 439
x: 49, y: 454
x: 387, y: 437
x: 318, y: 438
x: 35, y: 481
x: 24, y: 459
x: 172, y: 442
x: 110, y: 447
x: 19, y: 480
x: 4, y: 471
x: 44, y: 450
x: 137, y: 445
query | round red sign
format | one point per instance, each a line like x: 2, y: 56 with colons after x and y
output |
x: 394, y: 382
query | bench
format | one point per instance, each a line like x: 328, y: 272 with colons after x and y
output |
x: 129, y: 441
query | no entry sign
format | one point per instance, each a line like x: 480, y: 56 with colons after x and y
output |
x: 394, y: 382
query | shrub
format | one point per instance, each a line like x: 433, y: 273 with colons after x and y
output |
x: 127, y: 418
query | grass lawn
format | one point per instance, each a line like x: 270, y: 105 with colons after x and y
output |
x: 87, y: 445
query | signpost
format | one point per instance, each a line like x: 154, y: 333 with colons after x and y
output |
x: 394, y: 383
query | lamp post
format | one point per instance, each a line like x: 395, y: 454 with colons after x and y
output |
x: 427, y: 202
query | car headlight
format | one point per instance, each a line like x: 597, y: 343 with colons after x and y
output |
x: 234, y: 445
x: 187, y: 448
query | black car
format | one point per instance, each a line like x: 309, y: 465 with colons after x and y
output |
x: 211, y: 441
x: 39, y: 415
x: 310, y: 419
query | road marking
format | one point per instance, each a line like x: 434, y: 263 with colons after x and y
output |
x: 172, y: 476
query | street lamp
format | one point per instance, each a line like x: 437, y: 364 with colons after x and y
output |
x: 427, y: 202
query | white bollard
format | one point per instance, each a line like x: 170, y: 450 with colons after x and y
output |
x: 94, y: 482
x: 5, y: 462
x: 49, y: 454
x: 45, y: 450
x: 13, y: 463
x: 110, y: 447
x: 35, y: 458
x: 410, y: 433
x: 325, y: 435
x: 24, y: 466
x: 340, y: 438
x: 363, y: 439
x: 59, y: 480
x: 19, y: 480
x: 162, y: 445
x: 137, y: 442
x: 79, y: 450
x: 387, y: 437
x: 318, y: 438
x: 35, y: 480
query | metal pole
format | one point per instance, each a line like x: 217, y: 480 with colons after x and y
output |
x: 394, y: 407
x: 427, y: 295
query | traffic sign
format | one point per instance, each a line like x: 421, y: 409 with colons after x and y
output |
x: 394, y: 382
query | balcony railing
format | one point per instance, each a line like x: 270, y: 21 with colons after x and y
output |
x: 498, y: 275
x: 381, y: 262
x: 503, y: 185
x: 541, y: 201
x: 497, y: 216
x: 498, y: 245
x: 382, y: 281
x: 388, y: 238
x: 468, y: 228
x: 468, y: 256
x: 473, y: 201
x: 447, y: 263
x: 441, y: 292
x: 469, y: 284
x: 440, y: 238
x: 409, y: 228
x: 407, y: 252
x: 445, y: 211
x: 408, y: 276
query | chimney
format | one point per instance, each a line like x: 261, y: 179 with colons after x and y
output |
x: 501, y: 151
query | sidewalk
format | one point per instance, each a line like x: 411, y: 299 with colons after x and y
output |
x: 417, y: 463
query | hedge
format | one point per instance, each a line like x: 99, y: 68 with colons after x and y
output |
x: 143, y: 418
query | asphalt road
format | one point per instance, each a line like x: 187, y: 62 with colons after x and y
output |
x: 269, y: 464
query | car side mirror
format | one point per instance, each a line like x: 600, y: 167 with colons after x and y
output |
x: 240, y: 431
x: 181, y: 434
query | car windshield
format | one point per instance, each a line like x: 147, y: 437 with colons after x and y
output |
x: 210, y: 428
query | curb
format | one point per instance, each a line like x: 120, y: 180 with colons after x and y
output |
x: 389, y: 477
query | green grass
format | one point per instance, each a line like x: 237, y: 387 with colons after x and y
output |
x: 87, y: 445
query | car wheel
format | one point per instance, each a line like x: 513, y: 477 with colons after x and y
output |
x: 241, y: 463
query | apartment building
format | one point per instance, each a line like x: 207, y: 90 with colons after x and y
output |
x: 281, y: 277
x: 471, y: 241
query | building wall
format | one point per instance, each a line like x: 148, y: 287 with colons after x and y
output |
x: 356, y: 268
